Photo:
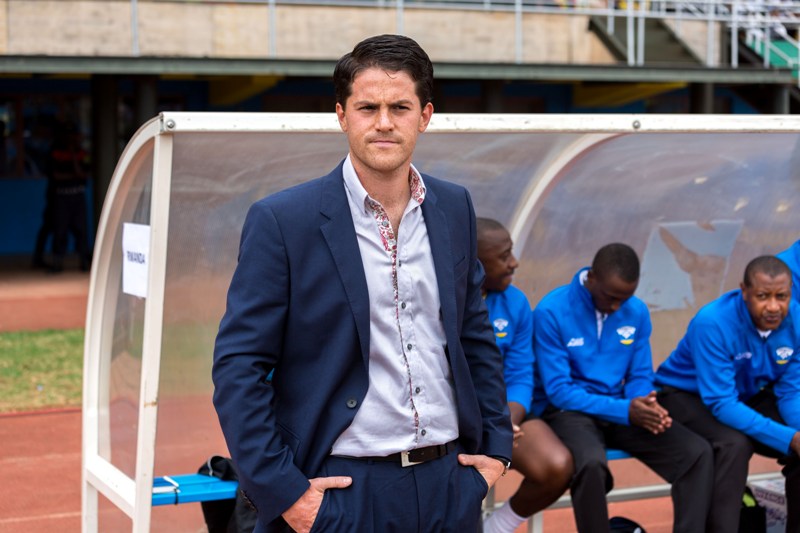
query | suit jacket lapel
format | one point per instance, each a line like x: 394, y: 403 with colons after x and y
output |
x: 340, y: 234
x: 439, y: 238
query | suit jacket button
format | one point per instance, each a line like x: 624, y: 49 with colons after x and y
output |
x: 351, y: 403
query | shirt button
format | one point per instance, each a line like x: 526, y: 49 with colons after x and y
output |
x: 424, y: 432
x: 417, y: 390
x: 351, y: 403
x: 408, y: 346
x: 403, y: 305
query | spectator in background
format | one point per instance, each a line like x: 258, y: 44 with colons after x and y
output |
x: 592, y: 346
x: 69, y: 172
x: 791, y: 256
x: 538, y: 454
x: 734, y: 379
x: 47, y: 226
x: 3, y: 149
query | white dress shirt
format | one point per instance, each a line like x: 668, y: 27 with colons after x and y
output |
x: 410, y: 402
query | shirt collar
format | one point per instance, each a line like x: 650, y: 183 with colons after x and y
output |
x: 358, y: 194
x: 582, y: 275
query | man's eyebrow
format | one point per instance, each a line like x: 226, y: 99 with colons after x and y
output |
x: 366, y: 101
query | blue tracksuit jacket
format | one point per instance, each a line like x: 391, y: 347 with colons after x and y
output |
x: 791, y: 256
x: 723, y: 359
x: 510, y: 315
x: 581, y: 372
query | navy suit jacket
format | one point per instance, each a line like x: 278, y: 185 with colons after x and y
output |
x: 298, y: 304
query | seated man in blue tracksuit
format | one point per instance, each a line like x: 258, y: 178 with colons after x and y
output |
x: 592, y: 345
x: 734, y: 380
x: 538, y: 454
x: 791, y: 256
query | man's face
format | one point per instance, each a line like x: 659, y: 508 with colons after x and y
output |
x: 767, y: 299
x: 610, y: 292
x: 494, y: 251
x: 382, y: 119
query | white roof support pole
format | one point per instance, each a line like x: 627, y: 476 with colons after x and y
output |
x: 153, y: 328
x: 630, y: 46
x: 710, y: 9
x: 518, y: 31
x: 99, y: 476
x: 134, y: 28
x: 640, y: 34
x: 610, y: 15
x: 400, y: 21
x: 272, y: 32
x: 735, y: 34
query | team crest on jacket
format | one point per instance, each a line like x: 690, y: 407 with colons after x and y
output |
x: 784, y: 354
x: 626, y: 332
x: 500, y: 324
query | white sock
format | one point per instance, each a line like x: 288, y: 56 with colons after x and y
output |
x: 504, y: 520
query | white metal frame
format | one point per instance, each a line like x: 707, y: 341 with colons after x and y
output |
x: 536, y: 522
x: 133, y: 495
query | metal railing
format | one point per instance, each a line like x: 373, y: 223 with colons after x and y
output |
x: 762, y: 23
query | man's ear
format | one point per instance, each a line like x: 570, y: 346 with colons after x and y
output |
x: 341, y: 116
x: 425, y: 118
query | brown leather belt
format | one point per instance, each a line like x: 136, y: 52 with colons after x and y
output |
x: 412, y: 457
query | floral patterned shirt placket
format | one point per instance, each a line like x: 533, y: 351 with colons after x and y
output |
x: 390, y: 245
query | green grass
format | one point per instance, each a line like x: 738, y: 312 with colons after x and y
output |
x: 40, y: 369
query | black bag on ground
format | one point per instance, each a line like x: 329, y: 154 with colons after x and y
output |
x: 620, y: 524
x: 752, y: 517
x: 226, y: 516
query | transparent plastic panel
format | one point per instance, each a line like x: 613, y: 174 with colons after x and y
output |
x: 498, y: 169
x: 697, y: 207
x: 111, y: 518
x: 123, y: 364
x: 216, y: 177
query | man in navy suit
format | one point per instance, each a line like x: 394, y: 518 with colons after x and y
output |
x: 361, y: 292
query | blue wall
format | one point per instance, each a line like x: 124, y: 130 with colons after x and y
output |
x: 21, y: 208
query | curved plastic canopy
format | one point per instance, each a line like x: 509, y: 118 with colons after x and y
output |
x: 696, y: 196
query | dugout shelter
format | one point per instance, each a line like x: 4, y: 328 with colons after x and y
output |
x: 697, y: 196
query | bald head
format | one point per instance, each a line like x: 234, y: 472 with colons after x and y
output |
x: 494, y: 252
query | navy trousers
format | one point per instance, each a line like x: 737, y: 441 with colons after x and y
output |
x: 436, y: 496
x: 732, y: 453
x: 677, y: 455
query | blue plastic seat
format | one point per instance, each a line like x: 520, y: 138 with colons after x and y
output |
x: 187, y: 488
x: 612, y: 454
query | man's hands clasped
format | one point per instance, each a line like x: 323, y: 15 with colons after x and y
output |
x: 647, y: 413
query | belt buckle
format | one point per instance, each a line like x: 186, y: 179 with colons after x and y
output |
x: 404, y: 460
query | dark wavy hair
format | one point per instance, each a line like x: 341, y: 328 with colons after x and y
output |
x: 388, y: 52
